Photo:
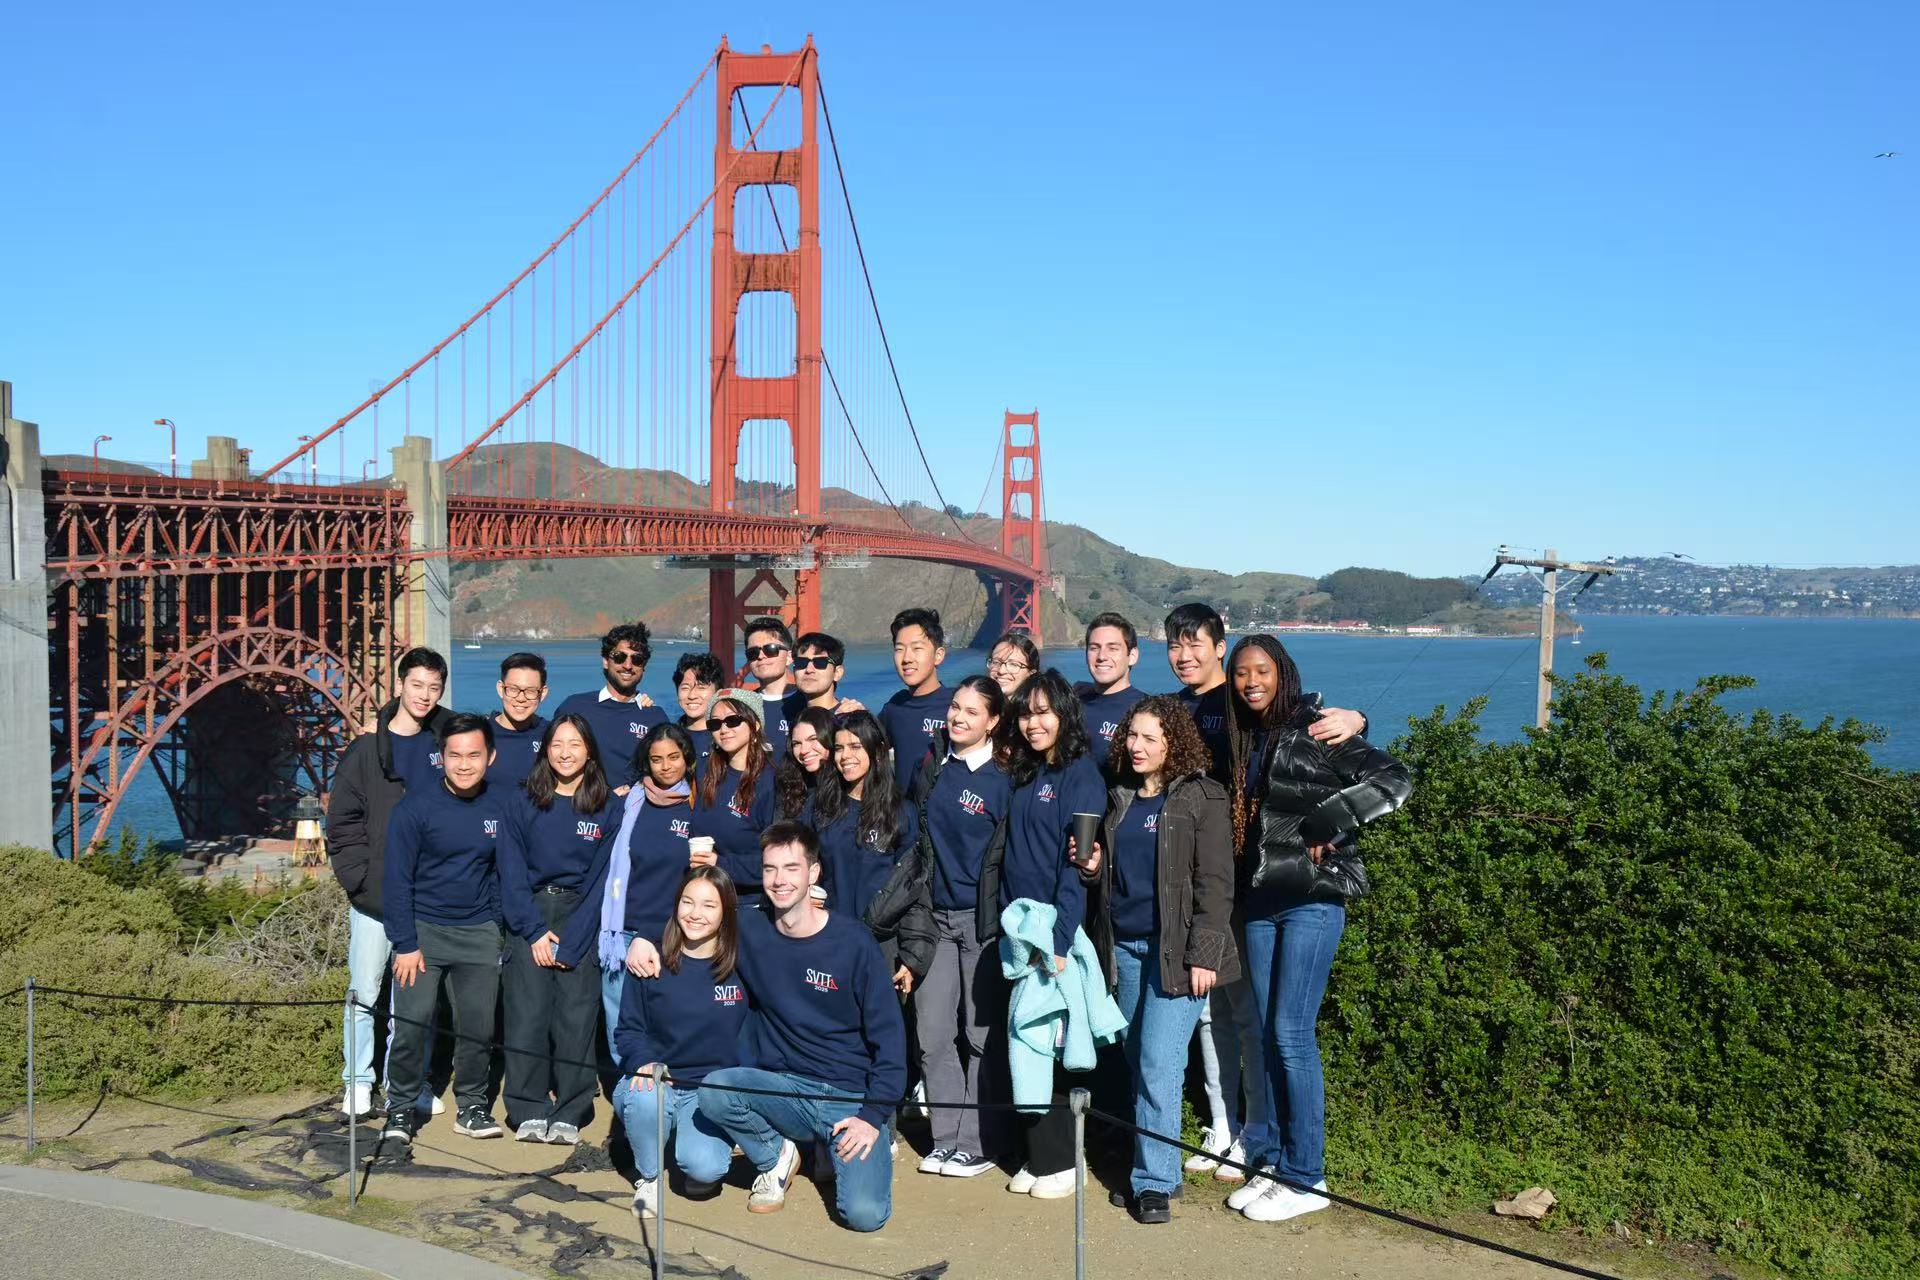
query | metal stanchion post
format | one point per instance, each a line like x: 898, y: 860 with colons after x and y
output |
x: 660, y: 1183
x: 353, y: 1120
x: 1078, y: 1100
x: 29, y: 1066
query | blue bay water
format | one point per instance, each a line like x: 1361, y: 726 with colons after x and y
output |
x: 1869, y: 670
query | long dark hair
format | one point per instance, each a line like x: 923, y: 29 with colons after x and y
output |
x: 880, y: 798
x: 717, y: 765
x: 591, y: 795
x: 726, y: 951
x: 991, y: 694
x: 1243, y: 724
x: 1049, y: 686
x: 678, y: 737
x: 792, y: 785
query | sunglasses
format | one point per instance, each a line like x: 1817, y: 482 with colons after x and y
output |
x: 728, y: 722
x: 817, y: 663
x: 755, y: 651
x: 626, y: 660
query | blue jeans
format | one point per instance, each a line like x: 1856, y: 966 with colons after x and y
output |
x: 368, y: 952
x: 613, y: 980
x: 862, y: 1189
x: 703, y: 1152
x: 1289, y: 955
x: 1236, y: 1042
x: 1158, y: 1028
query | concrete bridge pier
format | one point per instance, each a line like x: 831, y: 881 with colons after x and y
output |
x: 26, y: 814
x: 426, y: 611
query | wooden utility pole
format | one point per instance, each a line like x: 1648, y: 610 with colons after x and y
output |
x: 1550, y: 566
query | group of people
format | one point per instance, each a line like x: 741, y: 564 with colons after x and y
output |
x: 790, y: 913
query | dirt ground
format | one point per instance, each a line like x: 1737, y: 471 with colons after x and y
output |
x: 550, y: 1210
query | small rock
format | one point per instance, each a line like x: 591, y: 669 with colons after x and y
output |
x: 1534, y: 1203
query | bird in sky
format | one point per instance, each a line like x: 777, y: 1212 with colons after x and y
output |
x: 1888, y: 155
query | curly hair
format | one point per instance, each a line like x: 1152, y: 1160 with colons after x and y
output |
x: 1186, y: 750
x: 1055, y: 692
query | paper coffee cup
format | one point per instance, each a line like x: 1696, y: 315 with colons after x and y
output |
x: 1086, y: 829
x: 700, y: 844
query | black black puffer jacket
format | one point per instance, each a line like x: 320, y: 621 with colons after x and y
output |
x: 1317, y: 795
x: 366, y: 787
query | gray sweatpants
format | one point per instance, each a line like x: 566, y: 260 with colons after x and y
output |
x: 466, y: 959
x: 956, y: 1007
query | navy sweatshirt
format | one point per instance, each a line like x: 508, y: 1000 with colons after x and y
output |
x: 656, y: 862
x: 963, y: 809
x: 686, y: 1020
x: 781, y: 713
x: 735, y: 823
x: 440, y: 866
x: 1209, y: 712
x: 1103, y: 714
x: 515, y: 751
x: 1136, y: 862
x: 824, y: 1009
x: 910, y: 722
x: 852, y: 867
x: 416, y: 758
x: 617, y: 730
x: 559, y: 847
x: 1042, y: 819
x: 702, y: 746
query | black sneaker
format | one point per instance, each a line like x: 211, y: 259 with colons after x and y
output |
x: 475, y: 1122
x: 401, y: 1125
x: 965, y: 1164
x: 1123, y: 1198
x: 1150, y: 1207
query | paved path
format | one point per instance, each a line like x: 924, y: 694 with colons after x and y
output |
x: 54, y: 1223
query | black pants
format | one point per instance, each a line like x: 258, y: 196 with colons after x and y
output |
x: 1050, y: 1134
x: 465, y: 960
x: 550, y: 1014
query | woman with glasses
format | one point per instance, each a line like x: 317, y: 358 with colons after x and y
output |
x: 735, y: 796
x: 1012, y: 660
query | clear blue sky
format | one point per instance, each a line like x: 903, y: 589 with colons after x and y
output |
x: 1294, y: 287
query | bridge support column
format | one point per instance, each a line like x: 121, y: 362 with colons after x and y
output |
x: 26, y: 814
x: 223, y: 461
x: 426, y: 614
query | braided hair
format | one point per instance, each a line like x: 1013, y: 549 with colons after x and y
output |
x: 1244, y: 725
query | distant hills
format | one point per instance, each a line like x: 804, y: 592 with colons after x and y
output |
x: 1676, y: 585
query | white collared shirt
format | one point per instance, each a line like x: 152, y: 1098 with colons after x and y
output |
x: 608, y: 695
x: 973, y: 757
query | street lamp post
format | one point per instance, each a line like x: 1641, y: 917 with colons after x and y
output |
x: 97, y: 442
x: 173, y: 446
x: 313, y: 463
x: 364, y: 466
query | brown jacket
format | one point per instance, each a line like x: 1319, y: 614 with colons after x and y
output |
x: 1193, y: 883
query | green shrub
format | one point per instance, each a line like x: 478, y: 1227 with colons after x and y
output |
x: 1660, y: 958
x: 66, y: 927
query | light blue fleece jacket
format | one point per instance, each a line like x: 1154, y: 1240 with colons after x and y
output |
x: 1051, y: 1017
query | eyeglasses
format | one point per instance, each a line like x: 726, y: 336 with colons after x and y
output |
x: 756, y: 651
x: 728, y: 722
x: 626, y: 660
x: 1007, y: 664
x: 817, y: 663
x: 521, y: 695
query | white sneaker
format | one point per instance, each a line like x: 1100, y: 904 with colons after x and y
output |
x: 1215, y: 1141
x: 356, y: 1100
x: 933, y: 1160
x: 563, y: 1133
x: 1226, y: 1170
x: 770, y: 1188
x: 438, y: 1105
x: 1253, y: 1188
x: 646, y: 1198
x: 1052, y: 1186
x: 1281, y: 1203
x: 531, y: 1131
x: 916, y: 1108
x: 1021, y: 1183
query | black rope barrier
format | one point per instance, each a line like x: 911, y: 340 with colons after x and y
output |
x: 1251, y: 1171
